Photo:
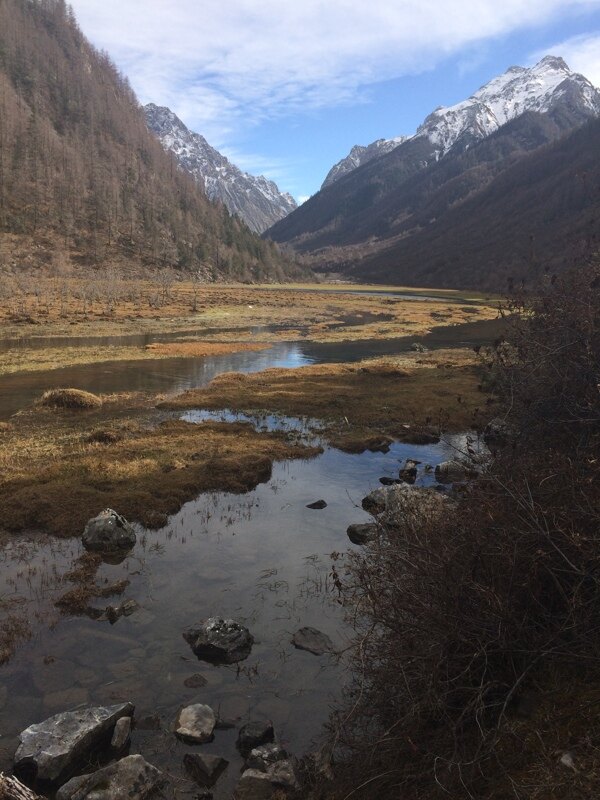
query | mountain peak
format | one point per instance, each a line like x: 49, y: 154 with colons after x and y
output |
x: 255, y: 199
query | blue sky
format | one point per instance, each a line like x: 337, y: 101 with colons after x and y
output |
x: 286, y: 88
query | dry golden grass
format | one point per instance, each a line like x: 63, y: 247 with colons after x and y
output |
x: 361, y: 403
x: 200, y: 349
x: 58, y: 470
x: 75, y: 399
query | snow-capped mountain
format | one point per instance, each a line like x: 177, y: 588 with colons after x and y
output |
x: 255, y: 199
x: 359, y: 155
x: 539, y: 88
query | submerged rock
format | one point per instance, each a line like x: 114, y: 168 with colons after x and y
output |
x: 220, y: 641
x: 312, y: 640
x: 203, y: 768
x: 253, y: 734
x: 108, y: 532
x: 131, y: 777
x: 51, y: 750
x: 362, y: 533
x: 196, y: 724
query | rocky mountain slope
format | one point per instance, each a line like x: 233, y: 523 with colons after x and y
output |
x: 456, y: 153
x: 83, y: 182
x: 359, y: 155
x: 254, y: 199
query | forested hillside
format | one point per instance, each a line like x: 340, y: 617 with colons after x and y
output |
x: 83, y: 181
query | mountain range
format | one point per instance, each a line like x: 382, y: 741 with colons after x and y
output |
x: 373, y: 216
x: 254, y: 199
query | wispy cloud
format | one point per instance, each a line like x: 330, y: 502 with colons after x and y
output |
x: 582, y: 54
x: 224, y: 66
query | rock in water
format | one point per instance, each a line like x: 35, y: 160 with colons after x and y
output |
x: 220, y: 641
x: 108, y: 532
x: 196, y: 724
x: 204, y: 768
x: 261, y: 758
x: 318, y: 504
x: 121, y: 733
x: 362, y: 533
x: 253, y: 734
x: 312, y: 640
x: 450, y: 471
x: 51, y: 750
x: 131, y: 777
x: 257, y: 785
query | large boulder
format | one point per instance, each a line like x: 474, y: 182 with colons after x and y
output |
x: 131, y: 777
x: 498, y: 432
x: 362, y: 533
x: 407, y: 506
x: 51, y: 751
x: 109, y: 532
x: 220, y: 641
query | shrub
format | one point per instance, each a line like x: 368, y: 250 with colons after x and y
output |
x: 70, y: 398
x: 460, y: 620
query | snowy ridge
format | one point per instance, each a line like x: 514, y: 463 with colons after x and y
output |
x: 359, y: 155
x: 255, y: 199
x: 540, y: 88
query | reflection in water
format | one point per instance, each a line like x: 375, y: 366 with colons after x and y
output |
x: 173, y: 375
x: 262, y: 558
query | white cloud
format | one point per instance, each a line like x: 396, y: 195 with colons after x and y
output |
x: 582, y: 54
x: 223, y: 65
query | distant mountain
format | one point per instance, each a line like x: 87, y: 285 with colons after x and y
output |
x: 83, y: 181
x: 256, y: 200
x: 359, y: 155
x: 454, y: 154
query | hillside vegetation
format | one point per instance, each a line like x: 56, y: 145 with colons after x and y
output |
x: 82, y: 180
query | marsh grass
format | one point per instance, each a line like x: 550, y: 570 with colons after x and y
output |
x: 70, y: 399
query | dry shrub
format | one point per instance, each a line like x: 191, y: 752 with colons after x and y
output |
x: 461, y: 621
x: 69, y: 398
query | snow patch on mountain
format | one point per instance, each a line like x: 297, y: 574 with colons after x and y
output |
x: 255, y: 199
x: 540, y: 88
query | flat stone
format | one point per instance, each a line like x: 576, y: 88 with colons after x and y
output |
x: 51, y: 750
x: 54, y: 676
x: 108, y: 532
x: 261, y: 758
x: 121, y: 733
x: 253, y: 734
x: 362, y: 533
x: 196, y: 723
x: 196, y: 681
x: 131, y: 777
x: 203, y: 768
x: 312, y: 640
x: 220, y: 641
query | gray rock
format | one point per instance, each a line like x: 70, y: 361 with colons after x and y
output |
x: 362, y: 533
x: 409, y: 471
x: 196, y: 723
x: 498, y: 432
x: 450, y: 471
x: 409, y: 507
x: 121, y: 733
x: 261, y: 758
x: 253, y: 734
x: 417, y: 347
x: 257, y: 785
x: 131, y: 777
x: 375, y: 501
x: 108, y: 532
x: 312, y: 640
x: 125, y: 609
x: 318, y: 504
x: 203, y: 768
x: 51, y: 750
x: 220, y: 641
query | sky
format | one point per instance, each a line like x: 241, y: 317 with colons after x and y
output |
x: 285, y: 88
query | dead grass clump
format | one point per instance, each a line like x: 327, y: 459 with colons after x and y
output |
x: 70, y: 398
x: 462, y: 620
x: 5, y: 427
x: 105, y: 436
x: 13, y: 629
